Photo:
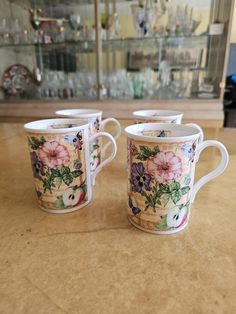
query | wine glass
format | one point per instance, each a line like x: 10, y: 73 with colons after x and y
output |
x: 196, y: 21
x: 75, y: 23
x: 16, y: 31
x: 5, y: 31
x: 139, y: 19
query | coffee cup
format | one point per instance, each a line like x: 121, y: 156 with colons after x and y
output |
x: 96, y: 124
x: 157, y: 116
x: 161, y: 167
x: 60, y: 158
x: 162, y: 116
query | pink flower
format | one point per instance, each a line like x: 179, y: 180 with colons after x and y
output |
x: 53, y: 154
x: 165, y: 166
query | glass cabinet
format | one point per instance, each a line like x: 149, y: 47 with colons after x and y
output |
x: 113, y: 49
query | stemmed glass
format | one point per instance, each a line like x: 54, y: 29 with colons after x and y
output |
x: 139, y: 19
x: 196, y: 21
x: 5, y: 32
x: 75, y: 23
x: 16, y: 31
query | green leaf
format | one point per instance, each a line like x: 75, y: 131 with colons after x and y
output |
x: 176, y: 196
x: 165, y: 198
x: 65, y: 170
x: 155, y: 150
x: 174, y: 186
x: 158, y: 194
x: 76, y: 173
x: 48, y: 174
x: 59, y: 202
x: 164, y: 188
x: 58, y: 181
x: 47, y: 185
x: 152, y: 200
x: 35, y: 142
x: 147, y: 152
x: 67, y: 178
x: 145, y: 149
x: 162, y: 224
x: 55, y: 172
x: 143, y: 193
x: 84, y: 187
x: 185, y: 190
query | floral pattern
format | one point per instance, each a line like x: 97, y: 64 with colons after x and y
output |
x: 37, y: 165
x: 53, y: 154
x: 139, y: 179
x: 58, y: 170
x: 160, y: 182
x: 165, y: 167
x: 95, y: 149
x: 189, y: 151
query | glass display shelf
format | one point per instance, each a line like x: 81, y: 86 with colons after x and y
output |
x: 80, y: 46
x: 121, y: 43
x: 115, y: 49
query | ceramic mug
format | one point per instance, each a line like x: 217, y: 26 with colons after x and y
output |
x: 96, y: 124
x: 163, y: 116
x: 161, y: 170
x: 60, y: 157
x: 157, y: 116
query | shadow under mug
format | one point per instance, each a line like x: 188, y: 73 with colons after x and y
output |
x: 161, y: 171
x: 96, y: 124
x: 60, y: 158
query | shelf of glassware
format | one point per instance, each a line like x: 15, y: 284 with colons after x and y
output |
x: 119, y: 43
x: 155, y: 42
x: 80, y: 46
x: 156, y: 68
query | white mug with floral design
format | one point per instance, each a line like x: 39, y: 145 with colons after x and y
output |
x: 163, y: 116
x: 96, y: 124
x: 161, y: 165
x: 60, y: 157
x: 157, y: 116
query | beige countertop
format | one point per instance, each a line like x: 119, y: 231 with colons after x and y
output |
x: 95, y: 261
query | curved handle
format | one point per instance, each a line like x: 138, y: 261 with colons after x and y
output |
x: 112, y: 142
x: 116, y: 135
x: 201, y: 138
x: 215, y: 173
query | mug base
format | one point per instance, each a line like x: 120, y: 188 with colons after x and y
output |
x: 159, y: 231
x: 64, y: 211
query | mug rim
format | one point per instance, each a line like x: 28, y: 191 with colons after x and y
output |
x: 40, y: 126
x: 133, y: 131
x: 162, y: 114
x: 78, y: 113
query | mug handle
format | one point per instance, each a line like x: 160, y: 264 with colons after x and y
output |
x: 215, y: 173
x: 201, y: 138
x: 117, y: 134
x: 112, y: 142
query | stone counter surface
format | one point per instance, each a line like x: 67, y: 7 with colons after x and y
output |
x: 95, y: 261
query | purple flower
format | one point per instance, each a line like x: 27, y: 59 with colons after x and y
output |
x: 37, y: 165
x: 139, y: 179
x: 77, y: 165
x: 38, y: 193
